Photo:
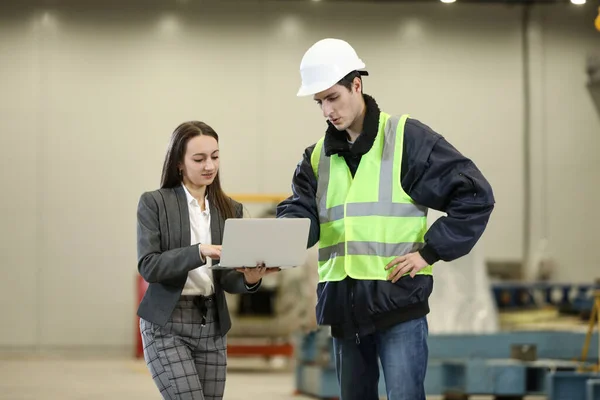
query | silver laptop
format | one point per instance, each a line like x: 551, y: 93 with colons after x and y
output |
x: 276, y: 242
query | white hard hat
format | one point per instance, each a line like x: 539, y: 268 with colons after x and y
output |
x: 325, y: 63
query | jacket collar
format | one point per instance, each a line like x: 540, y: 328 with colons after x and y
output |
x: 336, y: 142
x: 191, y: 200
x: 216, y: 222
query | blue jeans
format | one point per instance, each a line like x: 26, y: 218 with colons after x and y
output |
x: 403, y: 352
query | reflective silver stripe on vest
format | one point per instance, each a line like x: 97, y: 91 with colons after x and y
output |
x: 368, y: 249
x: 322, y: 183
x: 334, y: 213
x: 384, y: 207
x: 384, y: 210
x: 386, y: 174
x: 368, y: 209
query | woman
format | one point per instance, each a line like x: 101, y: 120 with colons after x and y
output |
x: 183, y: 315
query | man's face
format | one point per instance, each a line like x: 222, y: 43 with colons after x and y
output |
x: 340, y: 105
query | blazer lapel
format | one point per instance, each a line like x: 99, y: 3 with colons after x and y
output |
x: 216, y: 236
x: 184, y: 217
x: 216, y: 225
x: 216, y: 222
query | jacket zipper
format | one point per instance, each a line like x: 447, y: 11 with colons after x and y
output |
x: 352, y: 283
x: 352, y: 311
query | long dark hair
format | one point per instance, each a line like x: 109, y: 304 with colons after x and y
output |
x: 175, y: 153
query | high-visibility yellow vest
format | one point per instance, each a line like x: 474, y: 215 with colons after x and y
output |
x: 368, y: 220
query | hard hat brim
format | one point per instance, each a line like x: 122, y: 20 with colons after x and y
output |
x: 321, y: 86
x: 313, y: 89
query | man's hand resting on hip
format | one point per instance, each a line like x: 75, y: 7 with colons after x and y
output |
x: 412, y: 262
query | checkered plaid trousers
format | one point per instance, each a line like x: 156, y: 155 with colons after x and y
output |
x: 187, y: 361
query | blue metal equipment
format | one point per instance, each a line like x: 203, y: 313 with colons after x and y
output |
x: 472, y: 365
x: 576, y: 298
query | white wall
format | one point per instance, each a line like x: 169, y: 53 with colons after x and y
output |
x: 565, y: 142
x: 20, y: 229
x: 91, y: 96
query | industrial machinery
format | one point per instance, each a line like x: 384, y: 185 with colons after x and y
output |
x: 505, y: 364
x: 568, y: 298
x: 470, y: 353
x: 263, y: 323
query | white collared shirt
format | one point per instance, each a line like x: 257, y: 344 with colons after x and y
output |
x: 199, y: 280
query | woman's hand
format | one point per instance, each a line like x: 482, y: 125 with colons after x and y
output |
x: 254, y: 275
x: 209, y: 250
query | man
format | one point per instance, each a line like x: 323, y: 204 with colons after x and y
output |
x: 366, y: 186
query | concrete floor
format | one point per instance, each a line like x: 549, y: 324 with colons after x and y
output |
x: 53, y: 378
x: 47, y: 378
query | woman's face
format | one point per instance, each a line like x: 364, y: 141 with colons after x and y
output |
x: 201, y: 161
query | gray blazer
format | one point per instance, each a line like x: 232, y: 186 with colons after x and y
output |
x: 165, y: 255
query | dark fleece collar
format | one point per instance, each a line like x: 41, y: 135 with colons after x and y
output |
x: 336, y: 142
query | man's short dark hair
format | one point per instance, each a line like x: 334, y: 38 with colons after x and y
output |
x: 347, y: 80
